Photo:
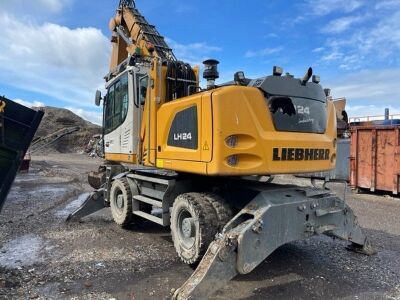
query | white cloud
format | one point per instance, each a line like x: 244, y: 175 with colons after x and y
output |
x: 263, y: 52
x: 325, y: 7
x: 63, y: 63
x: 92, y: 116
x: 369, y: 92
x: 342, y: 24
x: 29, y: 104
x: 376, y: 42
x: 359, y: 111
x: 369, y: 86
x: 194, y: 53
x: 53, y: 5
x: 332, y: 56
x: 389, y: 4
x: 319, y: 49
x: 34, y: 7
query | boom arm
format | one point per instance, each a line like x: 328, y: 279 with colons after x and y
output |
x: 132, y: 34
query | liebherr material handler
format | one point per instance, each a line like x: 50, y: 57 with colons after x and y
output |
x: 192, y: 158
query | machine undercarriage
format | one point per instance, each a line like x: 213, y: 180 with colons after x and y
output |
x: 234, y: 238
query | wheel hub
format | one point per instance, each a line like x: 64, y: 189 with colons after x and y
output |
x: 188, y: 228
x: 120, y: 201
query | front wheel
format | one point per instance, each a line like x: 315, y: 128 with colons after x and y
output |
x: 121, y: 202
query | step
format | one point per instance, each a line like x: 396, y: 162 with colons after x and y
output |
x: 149, y: 217
x: 328, y: 211
x: 149, y: 179
x: 152, y: 193
x: 147, y: 200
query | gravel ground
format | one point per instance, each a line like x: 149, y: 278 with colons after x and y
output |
x: 42, y: 257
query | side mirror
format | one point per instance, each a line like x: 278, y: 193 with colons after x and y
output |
x: 98, y: 98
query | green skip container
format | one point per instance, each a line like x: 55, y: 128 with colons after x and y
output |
x: 18, y: 125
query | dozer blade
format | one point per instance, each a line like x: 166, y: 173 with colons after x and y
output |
x: 93, y: 203
x: 273, y: 218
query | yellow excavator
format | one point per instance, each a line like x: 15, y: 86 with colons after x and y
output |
x: 196, y: 159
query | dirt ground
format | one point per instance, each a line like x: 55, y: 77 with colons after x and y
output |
x: 42, y: 257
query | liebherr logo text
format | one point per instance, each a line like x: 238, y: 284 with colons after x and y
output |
x: 300, y: 154
x: 183, y: 136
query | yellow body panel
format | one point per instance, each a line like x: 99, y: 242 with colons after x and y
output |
x: 241, y: 112
x: 196, y: 167
x: 206, y: 142
x: 165, y: 117
x: 126, y: 158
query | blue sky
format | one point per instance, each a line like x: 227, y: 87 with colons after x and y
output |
x: 56, y: 52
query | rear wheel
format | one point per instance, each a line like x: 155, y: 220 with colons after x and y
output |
x: 194, y: 224
x: 121, y: 202
x: 222, y: 209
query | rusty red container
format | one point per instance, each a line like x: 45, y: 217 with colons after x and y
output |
x: 375, y: 158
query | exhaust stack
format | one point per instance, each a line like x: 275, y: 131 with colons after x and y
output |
x: 211, y: 72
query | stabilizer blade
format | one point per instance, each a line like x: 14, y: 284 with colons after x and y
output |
x: 93, y: 203
x: 214, y: 271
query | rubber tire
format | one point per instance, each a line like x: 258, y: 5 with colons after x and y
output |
x: 222, y: 209
x: 206, y: 223
x: 124, y: 217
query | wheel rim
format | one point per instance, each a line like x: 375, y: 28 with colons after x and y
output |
x: 186, y: 229
x: 119, y: 201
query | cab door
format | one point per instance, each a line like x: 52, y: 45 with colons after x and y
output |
x: 128, y: 134
x: 118, y: 121
x: 112, y: 132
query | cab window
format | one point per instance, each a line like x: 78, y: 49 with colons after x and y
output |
x: 142, y: 84
x: 109, y: 110
x: 117, y: 104
x: 124, y: 97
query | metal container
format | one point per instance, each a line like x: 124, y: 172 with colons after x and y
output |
x: 375, y: 158
x: 18, y: 125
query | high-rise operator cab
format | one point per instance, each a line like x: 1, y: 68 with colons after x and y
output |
x: 122, y: 114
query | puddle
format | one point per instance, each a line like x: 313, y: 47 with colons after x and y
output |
x: 72, y: 206
x: 26, y: 176
x: 20, y: 179
x: 15, y: 189
x: 22, y: 251
x: 48, y: 189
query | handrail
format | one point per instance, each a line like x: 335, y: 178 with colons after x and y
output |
x: 373, y: 118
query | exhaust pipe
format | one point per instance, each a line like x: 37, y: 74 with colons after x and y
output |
x: 307, y: 77
x: 211, y: 72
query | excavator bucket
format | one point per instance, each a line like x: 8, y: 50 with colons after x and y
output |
x: 18, y: 125
x: 276, y: 216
